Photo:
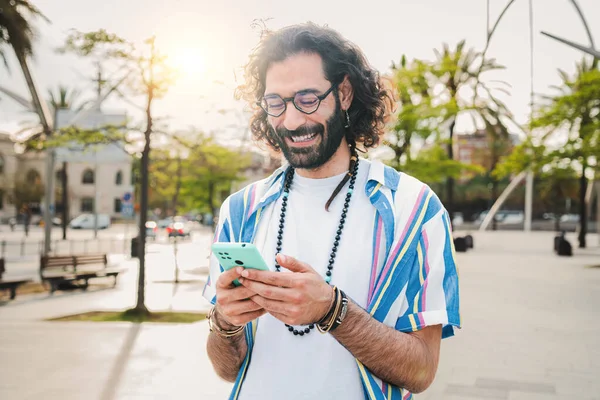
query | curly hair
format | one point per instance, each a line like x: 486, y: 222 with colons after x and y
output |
x: 341, y: 58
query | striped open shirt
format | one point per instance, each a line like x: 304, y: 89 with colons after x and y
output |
x: 414, y: 280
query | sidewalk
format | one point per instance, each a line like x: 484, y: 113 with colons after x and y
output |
x: 530, y: 331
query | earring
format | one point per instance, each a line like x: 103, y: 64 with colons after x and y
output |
x: 347, y: 120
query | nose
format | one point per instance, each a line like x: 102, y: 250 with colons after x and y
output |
x: 292, y: 118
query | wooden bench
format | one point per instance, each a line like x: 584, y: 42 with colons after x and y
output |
x: 76, y: 270
x: 10, y: 284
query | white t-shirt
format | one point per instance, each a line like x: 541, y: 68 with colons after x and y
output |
x: 313, y: 366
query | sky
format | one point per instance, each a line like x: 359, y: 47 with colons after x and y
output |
x: 210, y: 41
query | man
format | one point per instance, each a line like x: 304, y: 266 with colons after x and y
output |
x: 362, y: 283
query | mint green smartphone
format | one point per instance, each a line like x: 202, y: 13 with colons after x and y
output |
x: 232, y: 255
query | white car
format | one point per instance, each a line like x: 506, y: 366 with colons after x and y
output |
x: 86, y: 221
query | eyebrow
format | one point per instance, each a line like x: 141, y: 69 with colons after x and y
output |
x: 303, y: 91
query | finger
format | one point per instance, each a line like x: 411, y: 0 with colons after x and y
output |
x: 227, y: 277
x: 237, y: 293
x: 243, y: 319
x: 241, y: 307
x: 280, y: 279
x: 282, y: 317
x: 291, y: 264
x: 268, y: 291
x: 275, y: 306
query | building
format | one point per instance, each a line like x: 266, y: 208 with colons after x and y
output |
x: 100, y: 175
x: 476, y: 149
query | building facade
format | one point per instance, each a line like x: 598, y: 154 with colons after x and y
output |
x: 100, y: 176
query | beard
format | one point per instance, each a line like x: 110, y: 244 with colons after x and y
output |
x: 315, y: 156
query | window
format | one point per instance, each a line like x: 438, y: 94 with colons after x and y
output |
x: 117, y: 205
x: 1, y: 164
x: 33, y: 177
x: 119, y: 178
x: 88, y: 177
x: 87, y: 204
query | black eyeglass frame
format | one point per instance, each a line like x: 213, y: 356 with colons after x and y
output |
x: 288, y: 99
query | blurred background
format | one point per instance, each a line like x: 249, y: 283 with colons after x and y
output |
x: 120, y: 136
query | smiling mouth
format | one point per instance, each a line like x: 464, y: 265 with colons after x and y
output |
x: 303, y: 138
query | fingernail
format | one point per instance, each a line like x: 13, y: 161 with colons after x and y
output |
x: 239, y: 270
x: 282, y: 258
x: 241, y: 280
x: 245, y: 273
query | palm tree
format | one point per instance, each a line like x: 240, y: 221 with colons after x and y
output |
x: 576, y: 109
x: 63, y: 98
x: 17, y: 32
x: 458, y: 74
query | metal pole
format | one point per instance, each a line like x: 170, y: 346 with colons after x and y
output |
x: 49, y: 200
x: 95, y: 195
x: 176, y: 263
x: 529, y: 180
x: 65, y: 200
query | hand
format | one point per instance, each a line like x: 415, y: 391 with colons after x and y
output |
x: 299, y: 297
x: 234, y: 306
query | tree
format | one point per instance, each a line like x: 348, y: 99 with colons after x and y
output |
x: 415, y: 119
x: 148, y: 77
x: 212, y: 168
x: 26, y: 192
x: 574, y: 112
x: 460, y: 90
x: 555, y: 186
x: 17, y: 32
x: 62, y: 98
x: 426, y: 111
x: 166, y: 173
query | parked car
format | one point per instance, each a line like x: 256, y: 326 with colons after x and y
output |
x: 86, y: 221
x: 179, y: 229
x: 151, y: 229
x: 164, y: 223
x: 569, y: 218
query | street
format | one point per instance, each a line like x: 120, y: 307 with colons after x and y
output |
x: 22, y: 254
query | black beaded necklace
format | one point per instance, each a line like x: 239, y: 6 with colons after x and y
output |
x: 286, y: 192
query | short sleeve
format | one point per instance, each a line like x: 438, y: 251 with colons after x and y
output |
x: 432, y: 292
x: 222, y: 234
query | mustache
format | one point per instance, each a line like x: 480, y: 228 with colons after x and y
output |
x: 303, y: 130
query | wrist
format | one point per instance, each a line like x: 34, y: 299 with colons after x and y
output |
x: 330, y: 307
x: 336, y: 316
x: 222, y: 321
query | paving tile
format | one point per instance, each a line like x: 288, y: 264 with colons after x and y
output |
x: 519, y: 386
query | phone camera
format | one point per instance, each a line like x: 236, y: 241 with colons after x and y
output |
x: 238, y: 262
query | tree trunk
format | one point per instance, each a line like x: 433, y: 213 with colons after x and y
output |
x: 211, y: 202
x: 177, y: 184
x: 46, y: 120
x: 494, y: 198
x: 582, y: 208
x: 65, y: 200
x: 450, y: 181
x: 140, y: 306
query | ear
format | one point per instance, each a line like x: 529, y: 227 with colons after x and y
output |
x: 346, y: 92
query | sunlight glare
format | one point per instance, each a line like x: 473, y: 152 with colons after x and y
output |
x: 188, y: 63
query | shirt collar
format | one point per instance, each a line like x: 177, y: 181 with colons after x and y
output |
x: 379, y: 173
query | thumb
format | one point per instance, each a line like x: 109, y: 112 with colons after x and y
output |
x: 292, y: 264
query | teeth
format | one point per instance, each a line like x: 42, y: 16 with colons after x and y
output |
x: 303, y: 138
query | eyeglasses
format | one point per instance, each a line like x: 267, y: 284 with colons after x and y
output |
x: 305, y: 101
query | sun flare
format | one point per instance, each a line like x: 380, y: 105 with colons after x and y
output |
x: 188, y: 63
